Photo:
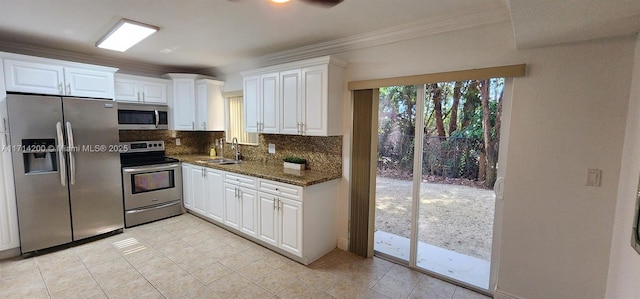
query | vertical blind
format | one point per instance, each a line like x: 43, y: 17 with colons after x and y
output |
x: 235, y: 124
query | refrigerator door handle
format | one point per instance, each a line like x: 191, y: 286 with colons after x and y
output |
x: 72, y: 160
x: 157, y: 116
x: 61, y: 161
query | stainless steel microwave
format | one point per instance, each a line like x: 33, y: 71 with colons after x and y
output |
x: 142, y: 117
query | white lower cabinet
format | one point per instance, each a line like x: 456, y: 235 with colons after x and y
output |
x: 214, y: 194
x: 248, y: 212
x: 187, y: 187
x: 202, y: 191
x: 281, y: 222
x: 240, y: 209
x: 198, y: 184
x: 299, y: 222
x: 240, y: 198
x: 290, y: 225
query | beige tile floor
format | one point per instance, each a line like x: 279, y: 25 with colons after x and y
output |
x: 187, y: 257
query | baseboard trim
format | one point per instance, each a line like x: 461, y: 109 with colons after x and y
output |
x: 499, y: 294
x: 343, y: 244
x: 9, y: 253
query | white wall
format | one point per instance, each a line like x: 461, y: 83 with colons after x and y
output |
x: 567, y: 115
x: 624, y: 265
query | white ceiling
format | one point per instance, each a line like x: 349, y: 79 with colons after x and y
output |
x: 546, y: 22
x: 201, y: 34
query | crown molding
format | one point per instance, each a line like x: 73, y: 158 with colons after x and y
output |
x: 460, y: 20
x: 125, y: 66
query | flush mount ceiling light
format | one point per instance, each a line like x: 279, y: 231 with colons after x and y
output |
x: 125, y: 34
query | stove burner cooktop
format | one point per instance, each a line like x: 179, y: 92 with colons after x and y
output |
x: 139, y: 153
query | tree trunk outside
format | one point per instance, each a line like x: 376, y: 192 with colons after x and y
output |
x: 482, y: 166
x: 491, y: 155
x: 453, y: 120
x: 437, y: 106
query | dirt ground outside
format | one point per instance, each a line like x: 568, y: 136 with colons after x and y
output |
x: 458, y: 218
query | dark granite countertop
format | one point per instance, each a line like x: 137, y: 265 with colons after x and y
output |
x: 265, y: 171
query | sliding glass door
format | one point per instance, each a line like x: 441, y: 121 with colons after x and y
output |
x: 437, y: 162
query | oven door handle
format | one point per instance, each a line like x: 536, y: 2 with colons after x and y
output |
x: 151, y: 168
x: 173, y: 203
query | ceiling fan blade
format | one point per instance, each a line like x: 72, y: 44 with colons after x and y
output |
x: 325, y: 3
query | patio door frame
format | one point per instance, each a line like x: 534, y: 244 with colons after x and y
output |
x: 363, y: 234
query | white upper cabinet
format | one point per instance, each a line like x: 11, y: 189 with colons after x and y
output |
x: 251, y: 105
x: 291, y: 102
x: 49, y: 76
x: 88, y: 83
x: 301, y: 98
x: 209, y: 105
x: 268, y: 108
x: 261, y: 102
x: 23, y: 76
x: 139, y: 89
x: 196, y: 104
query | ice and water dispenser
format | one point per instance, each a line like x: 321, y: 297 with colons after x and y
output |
x: 39, y: 155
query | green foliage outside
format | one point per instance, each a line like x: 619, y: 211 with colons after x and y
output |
x: 454, y: 136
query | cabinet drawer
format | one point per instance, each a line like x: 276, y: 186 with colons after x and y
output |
x: 240, y: 180
x: 278, y: 188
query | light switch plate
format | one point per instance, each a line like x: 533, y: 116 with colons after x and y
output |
x: 272, y: 148
x: 177, y: 141
x: 594, y: 177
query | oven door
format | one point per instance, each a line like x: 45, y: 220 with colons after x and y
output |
x: 151, y: 185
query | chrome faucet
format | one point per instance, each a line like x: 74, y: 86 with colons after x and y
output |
x: 234, y: 145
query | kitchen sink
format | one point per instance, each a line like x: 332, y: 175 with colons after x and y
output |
x: 221, y: 161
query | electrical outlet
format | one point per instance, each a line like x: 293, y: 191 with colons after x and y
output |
x: 594, y: 177
x: 272, y: 148
x: 177, y: 141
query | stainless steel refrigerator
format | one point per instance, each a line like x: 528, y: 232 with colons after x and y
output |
x: 66, y: 167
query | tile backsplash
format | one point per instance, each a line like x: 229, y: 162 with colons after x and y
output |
x: 322, y: 153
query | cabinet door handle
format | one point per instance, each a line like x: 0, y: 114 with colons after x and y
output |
x: 69, y: 88
x: 60, y: 87
x: 301, y: 128
x: 274, y: 203
x: 193, y: 125
x: 144, y: 99
x: 204, y: 125
x: 4, y: 124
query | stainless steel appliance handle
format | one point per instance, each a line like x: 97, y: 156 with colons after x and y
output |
x: 153, y: 208
x: 150, y: 168
x: 157, y: 114
x: 61, y: 161
x: 72, y: 159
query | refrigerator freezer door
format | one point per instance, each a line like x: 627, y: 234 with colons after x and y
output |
x: 95, y: 185
x: 42, y: 200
